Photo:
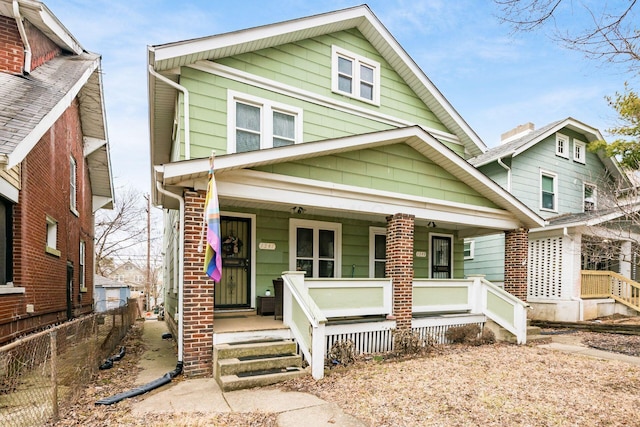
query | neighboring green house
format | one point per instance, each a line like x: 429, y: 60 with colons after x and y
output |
x: 552, y: 172
x: 335, y: 156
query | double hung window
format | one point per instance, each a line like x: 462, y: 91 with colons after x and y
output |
x: 548, y: 191
x: 355, y: 76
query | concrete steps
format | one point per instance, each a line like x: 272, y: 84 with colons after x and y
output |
x: 255, y: 363
x: 534, y: 334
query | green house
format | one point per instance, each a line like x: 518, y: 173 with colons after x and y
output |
x: 582, y: 263
x: 340, y: 169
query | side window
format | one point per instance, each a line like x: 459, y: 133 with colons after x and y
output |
x: 6, y: 244
x: 469, y: 248
x: 579, y: 151
x: 589, y: 197
x: 355, y: 76
x: 377, y: 252
x: 254, y: 123
x: 562, y: 145
x: 81, y: 273
x: 548, y: 191
x: 52, y: 237
x: 73, y: 184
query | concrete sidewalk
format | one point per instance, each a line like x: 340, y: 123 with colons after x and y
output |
x: 570, y: 343
x: 204, y: 394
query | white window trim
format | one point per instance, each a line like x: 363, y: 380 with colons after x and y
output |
x: 451, y: 254
x: 472, y: 248
x: 73, y: 185
x: 565, y: 145
x: 83, y: 270
x: 336, y: 52
x: 51, y: 246
x: 373, y: 232
x: 582, y: 158
x: 295, y: 223
x: 267, y: 107
x: 595, y: 195
x: 555, y: 190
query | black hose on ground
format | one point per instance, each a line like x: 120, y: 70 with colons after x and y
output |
x: 165, y: 379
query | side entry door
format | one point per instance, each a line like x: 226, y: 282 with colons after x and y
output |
x: 441, y: 256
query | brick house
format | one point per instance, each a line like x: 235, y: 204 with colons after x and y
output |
x: 55, y: 169
x: 340, y: 169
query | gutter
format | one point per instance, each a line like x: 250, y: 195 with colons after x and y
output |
x: 508, y: 169
x: 26, y: 68
x: 185, y: 92
x: 180, y: 269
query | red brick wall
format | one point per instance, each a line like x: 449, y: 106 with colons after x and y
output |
x: 515, y: 262
x: 198, y: 294
x: 12, y: 47
x: 399, y: 266
x: 45, y: 191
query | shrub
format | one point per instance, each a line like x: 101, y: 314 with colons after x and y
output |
x: 341, y: 353
x: 470, y: 334
x: 408, y: 342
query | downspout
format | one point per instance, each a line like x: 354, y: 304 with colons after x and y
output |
x: 508, y: 169
x: 180, y: 269
x: 26, y: 68
x: 185, y: 92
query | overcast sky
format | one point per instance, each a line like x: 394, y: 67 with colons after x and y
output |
x: 494, y: 79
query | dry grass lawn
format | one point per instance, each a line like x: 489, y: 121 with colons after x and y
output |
x: 493, y: 385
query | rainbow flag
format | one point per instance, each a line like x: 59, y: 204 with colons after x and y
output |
x: 212, y: 255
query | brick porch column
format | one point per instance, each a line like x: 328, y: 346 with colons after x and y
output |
x: 516, y: 248
x: 399, y: 266
x: 197, y: 315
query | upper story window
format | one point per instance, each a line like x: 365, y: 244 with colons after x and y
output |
x: 73, y: 184
x: 579, y: 151
x: 562, y: 145
x: 589, y: 197
x: 548, y: 191
x: 355, y: 76
x: 255, y: 123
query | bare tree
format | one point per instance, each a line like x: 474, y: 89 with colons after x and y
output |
x: 122, y: 228
x: 610, y: 32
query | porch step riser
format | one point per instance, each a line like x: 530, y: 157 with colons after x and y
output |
x: 227, y: 351
x: 235, y: 366
x: 266, y: 363
x: 233, y: 382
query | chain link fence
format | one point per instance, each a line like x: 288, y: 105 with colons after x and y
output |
x: 42, y: 371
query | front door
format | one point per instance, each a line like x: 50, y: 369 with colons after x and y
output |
x: 234, y: 289
x: 441, y: 257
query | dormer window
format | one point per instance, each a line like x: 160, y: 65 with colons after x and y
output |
x: 355, y: 76
x: 562, y: 145
x: 579, y: 151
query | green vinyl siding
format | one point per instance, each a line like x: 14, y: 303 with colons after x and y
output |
x: 306, y: 65
x: 395, y: 168
x: 571, y: 175
x: 488, y: 258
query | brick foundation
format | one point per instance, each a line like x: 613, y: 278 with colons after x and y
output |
x: 399, y: 267
x: 515, y: 262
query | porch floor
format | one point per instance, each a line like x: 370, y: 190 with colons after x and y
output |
x: 243, y: 321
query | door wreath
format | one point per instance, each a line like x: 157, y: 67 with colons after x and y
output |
x: 231, y: 246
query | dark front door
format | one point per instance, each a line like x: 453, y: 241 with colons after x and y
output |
x: 234, y: 289
x: 441, y: 257
x: 69, y: 291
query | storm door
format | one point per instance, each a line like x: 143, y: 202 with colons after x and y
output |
x: 234, y: 289
x: 441, y: 255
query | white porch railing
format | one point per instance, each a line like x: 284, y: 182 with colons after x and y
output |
x: 307, y: 303
x: 474, y: 295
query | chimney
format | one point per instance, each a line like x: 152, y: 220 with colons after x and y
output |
x: 517, y: 132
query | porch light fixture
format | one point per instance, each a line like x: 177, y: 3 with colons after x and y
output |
x: 432, y: 224
x: 297, y: 209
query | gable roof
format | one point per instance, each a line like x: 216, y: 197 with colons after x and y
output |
x: 164, y: 58
x: 30, y: 105
x: 187, y: 172
x: 520, y: 145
